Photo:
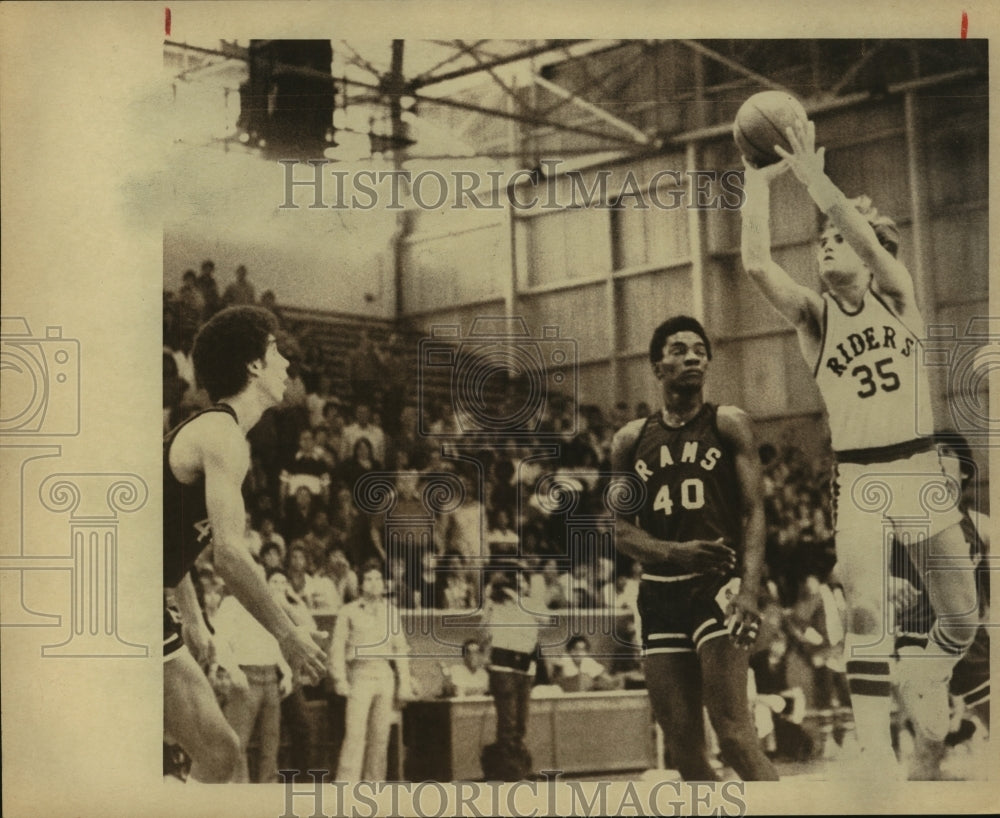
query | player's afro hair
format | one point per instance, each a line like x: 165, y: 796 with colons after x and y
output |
x: 678, y: 323
x: 227, y: 344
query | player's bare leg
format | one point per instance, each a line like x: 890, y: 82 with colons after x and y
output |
x: 724, y: 669
x: 192, y: 718
x: 953, y: 594
x: 862, y: 565
x: 674, y: 684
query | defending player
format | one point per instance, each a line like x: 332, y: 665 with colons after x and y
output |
x: 862, y: 336
x: 700, y: 538
x: 205, y: 461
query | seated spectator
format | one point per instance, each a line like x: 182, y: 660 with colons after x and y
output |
x: 271, y: 556
x: 299, y: 511
x: 253, y: 538
x: 335, y: 584
x: 457, y: 593
x: 470, y: 678
x: 320, y: 538
x: 317, y: 398
x: 363, y: 427
x: 362, y: 539
x: 269, y: 536
x: 501, y: 537
x: 299, y: 576
x: 361, y: 462
x: 579, y: 672
x: 308, y: 467
x: 556, y: 585
x: 240, y: 291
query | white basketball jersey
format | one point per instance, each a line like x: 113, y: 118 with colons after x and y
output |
x: 870, y: 376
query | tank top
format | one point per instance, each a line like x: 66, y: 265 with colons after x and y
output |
x: 869, y: 375
x: 186, y: 530
x: 692, y: 488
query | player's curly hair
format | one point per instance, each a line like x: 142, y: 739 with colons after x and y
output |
x: 226, y: 345
x: 678, y: 323
x: 884, y: 227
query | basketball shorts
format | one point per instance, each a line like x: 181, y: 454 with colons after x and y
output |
x: 681, y: 615
x: 911, y: 497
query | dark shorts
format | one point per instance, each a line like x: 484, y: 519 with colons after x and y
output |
x: 172, y: 639
x: 679, y: 616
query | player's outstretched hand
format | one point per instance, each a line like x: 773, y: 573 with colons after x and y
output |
x: 301, y: 649
x: 744, y: 620
x: 704, y: 556
x: 805, y: 161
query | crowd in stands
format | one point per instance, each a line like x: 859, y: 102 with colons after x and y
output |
x: 311, y: 457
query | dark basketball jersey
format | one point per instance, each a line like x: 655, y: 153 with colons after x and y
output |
x: 692, y: 489
x: 186, y: 531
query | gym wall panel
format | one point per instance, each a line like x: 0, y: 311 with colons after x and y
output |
x: 644, y: 301
x: 580, y: 314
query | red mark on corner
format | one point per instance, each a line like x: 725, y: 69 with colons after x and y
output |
x: 965, y: 24
x: 166, y: 22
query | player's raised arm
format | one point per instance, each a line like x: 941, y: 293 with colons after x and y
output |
x: 697, y: 555
x: 799, y: 305
x: 891, y: 276
x: 735, y: 426
x: 226, y: 460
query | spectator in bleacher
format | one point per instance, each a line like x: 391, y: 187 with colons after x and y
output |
x: 308, y: 467
x: 300, y: 577
x: 253, y: 539
x: 581, y: 586
x: 269, y: 536
x: 320, y: 539
x: 367, y: 372
x: 334, y: 421
x: 557, y: 585
x: 269, y: 302
x: 579, y: 672
x: 209, y: 289
x: 336, y: 583
x: 463, y: 531
x: 408, y: 443
x: 362, y: 540
x: 428, y: 584
x: 318, y: 397
x: 458, y: 592
x: 272, y: 556
x: 362, y: 427
x: 240, y: 291
x: 501, y: 538
x: 468, y: 678
x: 361, y: 461
x: 190, y: 308
x: 299, y: 510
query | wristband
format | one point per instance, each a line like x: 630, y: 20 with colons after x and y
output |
x: 825, y: 193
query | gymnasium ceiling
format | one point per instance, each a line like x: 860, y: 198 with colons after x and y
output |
x: 518, y: 99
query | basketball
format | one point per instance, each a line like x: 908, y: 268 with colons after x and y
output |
x: 760, y: 125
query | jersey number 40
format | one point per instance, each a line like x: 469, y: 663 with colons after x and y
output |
x: 692, y: 496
